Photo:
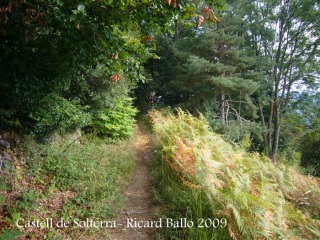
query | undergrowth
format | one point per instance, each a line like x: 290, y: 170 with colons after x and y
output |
x: 198, y: 175
x: 64, y: 179
x: 181, y: 201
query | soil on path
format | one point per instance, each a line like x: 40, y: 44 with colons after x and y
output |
x: 138, y: 194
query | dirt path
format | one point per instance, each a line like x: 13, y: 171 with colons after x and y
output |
x: 138, y: 205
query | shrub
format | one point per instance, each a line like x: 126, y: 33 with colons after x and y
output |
x: 57, y: 113
x: 310, y: 149
x: 117, y: 122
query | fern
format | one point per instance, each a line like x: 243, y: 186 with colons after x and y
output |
x: 117, y: 122
x: 260, y: 199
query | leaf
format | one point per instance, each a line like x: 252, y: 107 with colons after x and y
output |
x: 59, y: 2
x: 174, y: 3
x: 115, y: 77
x: 200, y: 20
x: 80, y: 7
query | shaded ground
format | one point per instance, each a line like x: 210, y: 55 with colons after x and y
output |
x: 138, y: 206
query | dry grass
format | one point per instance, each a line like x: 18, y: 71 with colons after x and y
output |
x: 260, y: 200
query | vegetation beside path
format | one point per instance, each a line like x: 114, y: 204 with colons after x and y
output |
x: 226, y: 192
x: 62, y: 179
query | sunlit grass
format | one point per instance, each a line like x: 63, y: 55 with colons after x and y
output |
x: 202, y: 176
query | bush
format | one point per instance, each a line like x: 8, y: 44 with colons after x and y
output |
x: 310, y: 149
x: 57, y: 113
x: 117, y: 122
x: 235, y: 130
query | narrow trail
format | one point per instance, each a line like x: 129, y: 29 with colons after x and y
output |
x: 138, y: 195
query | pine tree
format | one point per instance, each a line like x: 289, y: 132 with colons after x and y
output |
x: 219, y: 66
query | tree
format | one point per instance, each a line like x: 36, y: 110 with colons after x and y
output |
x: 286, y: 33
x: 301, y: 130
x: 205, y: 65
x: 72, y: 49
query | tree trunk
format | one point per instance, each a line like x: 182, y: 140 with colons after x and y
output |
x: 222, y: 107
x: 276, y: 134
x: 176, y: 31
x: 276, y: 118
x: 269, y: 143
x: 263, y: 124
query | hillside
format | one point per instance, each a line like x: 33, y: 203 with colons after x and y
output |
x: 239, y: 195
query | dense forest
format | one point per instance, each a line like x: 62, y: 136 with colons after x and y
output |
x: 228, y: 88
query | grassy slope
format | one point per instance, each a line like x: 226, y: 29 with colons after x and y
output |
x: 202, y: 176
x: 63, y: 180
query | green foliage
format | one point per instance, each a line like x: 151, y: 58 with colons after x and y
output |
x: 8, y: 234
x: 64, y: 179
x: 310, y: 151
x: 112, y: 37
x: 258, y: 199
x: 289, y: 55
x: 55, y: 112
x: 117, y: 122
x: 300, y: 132
x: 25, y: 201
x: 67, y: 166
x: 241, y: 131
x: 291, y: 158
x: 203, y: 65
x: 253, y: 62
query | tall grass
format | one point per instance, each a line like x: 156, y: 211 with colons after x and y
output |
x: 181, y: 201
x: 202, y: 176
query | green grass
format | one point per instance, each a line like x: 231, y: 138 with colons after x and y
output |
x: 67, y: 180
